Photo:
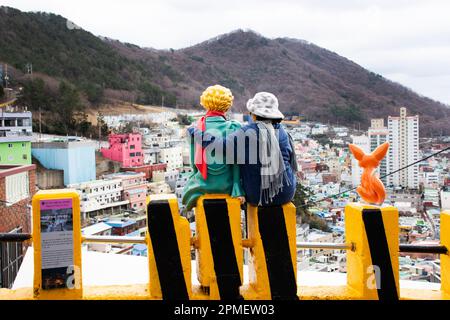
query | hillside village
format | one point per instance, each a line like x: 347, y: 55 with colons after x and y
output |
x: 114, y: 176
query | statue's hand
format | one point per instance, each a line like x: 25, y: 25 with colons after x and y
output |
x: 191, y: 131
x: 241, y: 199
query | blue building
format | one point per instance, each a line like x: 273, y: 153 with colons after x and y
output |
x: 76, y: 158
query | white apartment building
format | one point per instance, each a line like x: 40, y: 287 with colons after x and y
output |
x: 404, y: 150
x: 172, y: 156
x: 151, y: 155
x: 116, y: 121
x: 156, y: 139
x: 379, y: 134
x: 98, y: 195
x: 364, y: 143
x: 430, y: 179
x: 319, y: 129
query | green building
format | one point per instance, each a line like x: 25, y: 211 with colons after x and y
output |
x: 15, y: 152
x: 15, y: 137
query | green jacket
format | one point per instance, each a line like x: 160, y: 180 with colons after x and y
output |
x: 222, y: 178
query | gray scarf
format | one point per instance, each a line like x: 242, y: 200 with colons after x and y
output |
x: 273, y: 172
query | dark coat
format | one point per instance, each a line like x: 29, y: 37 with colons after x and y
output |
x: 250, y: 164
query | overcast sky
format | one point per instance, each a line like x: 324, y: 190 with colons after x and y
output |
x: 407, y: 41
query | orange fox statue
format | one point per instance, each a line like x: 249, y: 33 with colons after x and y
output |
x: 371, y: 189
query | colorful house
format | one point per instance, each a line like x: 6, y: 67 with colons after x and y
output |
x: 125, y: 148
x: 15, y: 137
x: 134, y: 188
x: 15, y: 151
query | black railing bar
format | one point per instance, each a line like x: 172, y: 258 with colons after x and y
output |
x: 14, y: 237
x: 429, y: 248
x: 413, y: 248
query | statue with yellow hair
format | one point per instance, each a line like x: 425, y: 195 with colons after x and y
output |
x: 211, y: 173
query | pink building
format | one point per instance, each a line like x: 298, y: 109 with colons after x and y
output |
x: 125, y: 148
x: 134, y: 188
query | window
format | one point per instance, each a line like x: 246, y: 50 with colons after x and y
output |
x: 23, y: 145
x: 10, y: 123
x: 24, y: 157
x: 132, y: 154
x: 132, y: 146
x: 10, y: 145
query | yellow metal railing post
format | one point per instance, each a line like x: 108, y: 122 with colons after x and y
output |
x: 373, y: 267
x: 445, y: 258
x: 273, y: 253
x: 57, y: 245
x: 219, y: 249
x: 169, y: 249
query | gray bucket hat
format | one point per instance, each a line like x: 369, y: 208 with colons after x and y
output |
x: 265, y: 105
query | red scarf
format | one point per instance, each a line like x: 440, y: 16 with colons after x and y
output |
x: 200, y: 152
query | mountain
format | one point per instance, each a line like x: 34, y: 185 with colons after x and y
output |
x: 307, y: 79
x: 58, y: 48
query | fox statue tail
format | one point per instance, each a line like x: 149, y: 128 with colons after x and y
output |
x: 378, y: 189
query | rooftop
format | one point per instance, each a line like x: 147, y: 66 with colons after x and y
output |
x: 62, y: 143
x: 120, y: 223
x: 95, y: 228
